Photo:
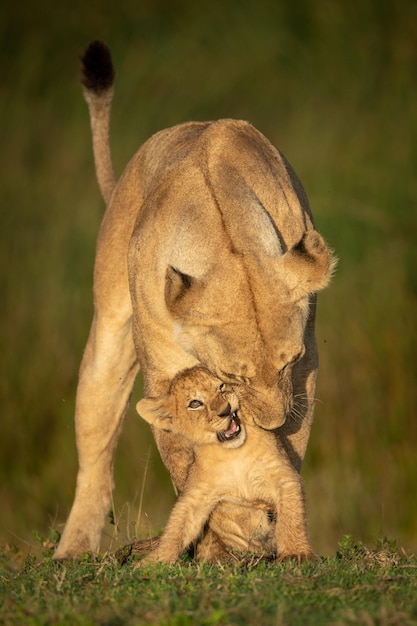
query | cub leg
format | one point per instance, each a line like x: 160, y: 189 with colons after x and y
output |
x: 291, y: 527
x: 107, y: 374
x: 185, y: 522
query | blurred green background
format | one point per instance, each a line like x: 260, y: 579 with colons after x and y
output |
x: 334, y: 86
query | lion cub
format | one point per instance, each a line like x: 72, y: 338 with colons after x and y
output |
x: 235, y: 461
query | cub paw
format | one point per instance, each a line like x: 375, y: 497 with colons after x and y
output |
x: 300, y: 557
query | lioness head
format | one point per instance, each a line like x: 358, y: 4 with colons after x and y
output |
x: 250, y: 328
x: 199, y: 407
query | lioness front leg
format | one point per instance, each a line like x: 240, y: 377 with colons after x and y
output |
x: 107, y: 374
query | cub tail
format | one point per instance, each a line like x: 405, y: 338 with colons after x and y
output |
x: 98, y: 78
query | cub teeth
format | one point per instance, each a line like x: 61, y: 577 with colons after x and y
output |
x: 225, y: 435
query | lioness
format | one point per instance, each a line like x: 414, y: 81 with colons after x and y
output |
x: 206, y: 255
x: 235, y: 461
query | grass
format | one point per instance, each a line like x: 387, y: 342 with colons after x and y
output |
x: 357, y: 586
x: 330, y: 83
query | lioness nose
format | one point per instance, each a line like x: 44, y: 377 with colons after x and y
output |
x: 226, y: 411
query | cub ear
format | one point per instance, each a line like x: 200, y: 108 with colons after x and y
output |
x: 155, y: 412
x: 309, y: 265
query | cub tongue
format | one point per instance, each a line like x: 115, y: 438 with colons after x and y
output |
x: 232, y: 431
x: 232, y: 428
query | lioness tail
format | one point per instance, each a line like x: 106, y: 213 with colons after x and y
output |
x: 97, y: 78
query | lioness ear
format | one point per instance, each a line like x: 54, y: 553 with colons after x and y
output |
x: 309, y: 265
x: 155, y: 412
x: 177, y: 284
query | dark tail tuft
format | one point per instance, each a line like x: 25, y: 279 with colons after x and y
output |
x: 97, y: 67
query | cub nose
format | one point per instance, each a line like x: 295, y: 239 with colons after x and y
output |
x: 226, y: 411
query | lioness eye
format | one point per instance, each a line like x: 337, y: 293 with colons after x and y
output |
x: 293, y: 361
x: 222, y: 387
x: 195, y: 404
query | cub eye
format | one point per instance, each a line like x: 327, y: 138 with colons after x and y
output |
x: 222, y: 387
x: 195, y: 404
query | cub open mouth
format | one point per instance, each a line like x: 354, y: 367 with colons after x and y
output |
x: 233, y: 430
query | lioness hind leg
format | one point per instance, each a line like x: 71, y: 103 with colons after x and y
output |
x: 107, y: 374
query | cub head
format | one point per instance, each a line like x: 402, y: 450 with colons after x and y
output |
x: 198, y: 406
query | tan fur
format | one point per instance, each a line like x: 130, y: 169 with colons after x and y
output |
x: 249, y: 470
x: 207, y: 255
